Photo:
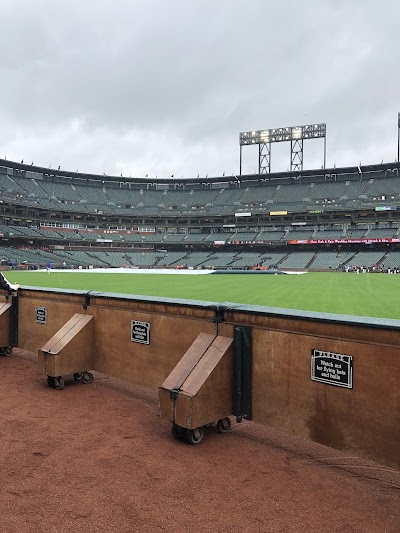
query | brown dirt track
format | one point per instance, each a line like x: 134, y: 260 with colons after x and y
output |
x: 97, y: 458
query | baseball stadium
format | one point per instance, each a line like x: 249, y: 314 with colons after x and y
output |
x: 255, y: 317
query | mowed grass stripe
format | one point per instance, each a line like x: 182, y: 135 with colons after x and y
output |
x: 350, y: 294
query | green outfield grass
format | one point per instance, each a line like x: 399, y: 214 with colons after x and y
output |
x: 374, y: 295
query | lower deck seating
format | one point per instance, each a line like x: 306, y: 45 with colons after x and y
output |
x: 297, y: 260
x: 392, y: 260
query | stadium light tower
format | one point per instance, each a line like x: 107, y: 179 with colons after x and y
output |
x: 295, y: 134
x: 398, y: 137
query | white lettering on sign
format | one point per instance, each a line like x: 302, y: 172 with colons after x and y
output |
x: 140, y: 332
x: 332, y: 368
x: 41, y: 315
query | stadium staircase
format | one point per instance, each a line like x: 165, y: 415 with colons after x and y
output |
x: 308, y: 265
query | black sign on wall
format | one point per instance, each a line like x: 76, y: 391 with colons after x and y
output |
x: 140, y: 332
x: 332, y: 368
x: 41, y: 315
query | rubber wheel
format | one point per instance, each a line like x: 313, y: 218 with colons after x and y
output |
x: 178, y: 431
x: 78, y: 376
x: 224, y: 425
x: 87, y: 378
x: 195, y: 436
x: 59, y: 383
x: 2, y: 351
x: 50, y: 381
x: 8, y: 351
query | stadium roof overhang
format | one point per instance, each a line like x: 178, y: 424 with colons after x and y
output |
x: 52, y: 173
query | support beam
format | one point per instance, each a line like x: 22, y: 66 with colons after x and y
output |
x: 296, y: 155
x: 264, y: 158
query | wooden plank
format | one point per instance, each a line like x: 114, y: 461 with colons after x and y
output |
x: 363, y: 420
x: 183, y: 411
x: 206, y: 365
x: 189, y: 360
x: 165, y: 404
x: 4, y: 307
x: 145, y: 364
x: 5, y: 316
x: 66, y: 333
x: 76, y: 355
x: 33, y: 335
x: 213, y: 400
x: 181, y: 371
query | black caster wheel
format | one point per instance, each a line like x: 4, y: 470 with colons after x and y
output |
x: 2, y: 351
x: 59, y: 383
x: 195, y: 436
x: 50, y: 381
x: 178, y: 431
x: 8, y: 351
x: 78, y: 376
x: 224, y: 425
x: 87, y: 377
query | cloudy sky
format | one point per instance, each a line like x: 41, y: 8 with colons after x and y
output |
x: 164, y: 87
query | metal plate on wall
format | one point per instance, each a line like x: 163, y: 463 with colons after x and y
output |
x: 332, y: 368
x: 41, y: 315
x: 140, y: 332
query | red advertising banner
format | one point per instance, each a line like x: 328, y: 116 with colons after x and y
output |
x: 345, y: 241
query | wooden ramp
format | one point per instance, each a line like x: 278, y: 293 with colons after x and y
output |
x: 69, y: 351
x: 198, y: 391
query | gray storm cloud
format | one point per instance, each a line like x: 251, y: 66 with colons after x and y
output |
x: 160, y: 88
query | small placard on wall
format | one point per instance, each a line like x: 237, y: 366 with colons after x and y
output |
x: 41, y: 315
x: 140, y: 332
x: 332, y: 368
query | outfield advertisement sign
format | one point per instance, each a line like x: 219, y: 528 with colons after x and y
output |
x: 344, y: 241
x: 221, y: 243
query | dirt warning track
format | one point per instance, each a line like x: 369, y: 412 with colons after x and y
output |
x: 97, y: 458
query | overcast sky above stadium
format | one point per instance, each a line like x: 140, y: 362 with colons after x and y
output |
x: 163, y: 87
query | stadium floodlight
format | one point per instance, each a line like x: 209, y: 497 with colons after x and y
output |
x: 293, y: 134
x: 398, y: 137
